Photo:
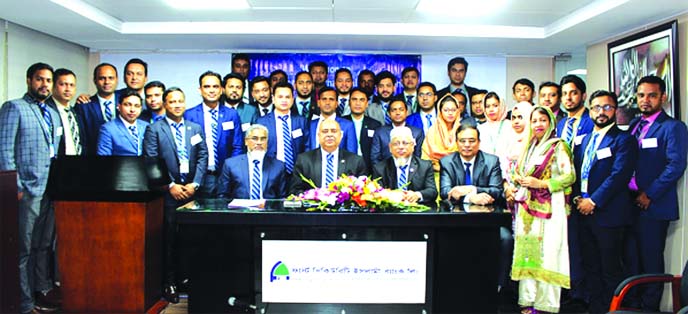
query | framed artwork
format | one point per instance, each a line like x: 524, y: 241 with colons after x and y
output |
x: 650, y: 52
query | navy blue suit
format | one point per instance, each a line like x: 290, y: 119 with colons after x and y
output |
x: 657, y: 172
x: 380, y: 149
x: 298, y: 141
x: 585, y: 125
x: 90, y: 117
x: 231, y: 138
x: 601, y: 233
x: 349, y: 141
x: 116, y: 140
x: 415, y: 120
x: 365, y: 141
x: 235, y: 180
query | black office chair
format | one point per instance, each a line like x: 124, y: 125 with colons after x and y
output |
x: 679, y: 290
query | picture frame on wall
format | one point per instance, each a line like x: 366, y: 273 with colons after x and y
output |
x: 650, y: 52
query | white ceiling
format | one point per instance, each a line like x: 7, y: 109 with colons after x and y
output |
x: 519, y: 27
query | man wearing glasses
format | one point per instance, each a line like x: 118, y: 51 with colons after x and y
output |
x: 427, y: 114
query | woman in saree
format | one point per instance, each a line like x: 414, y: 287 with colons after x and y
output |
x: 541, y: 186
x: 496, y: 132
x: 440, y: 139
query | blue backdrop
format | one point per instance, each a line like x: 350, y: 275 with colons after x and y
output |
x: 292, y: 63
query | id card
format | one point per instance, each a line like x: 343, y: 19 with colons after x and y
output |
x: 228, y: 125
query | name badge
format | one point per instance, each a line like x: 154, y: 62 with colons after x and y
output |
x: 58, y: 131
x: 371, y: 133
x: 604, y: 153
x: 578, y: 139
x: 296, y: 133
x: 184, y: 166
x: 245, y: 126
x: 649, y: 143
x: 315, y: 117
x: 196, y: 139
x: 229, y: 125
x: 584, y: 186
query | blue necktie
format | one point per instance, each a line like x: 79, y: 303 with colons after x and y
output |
x: 304, y: 107
x: 48, y: 123
x: 215, y: 134
x: 587, y: 163
x: 108, y: 111
x: 429, y: 118
x: 402, y: 178
x: 409, y: 101
x: 388, y: 119
x: 288, y: 149
x: 135, y: 135
x: 329, y: 170
x: 255, y: 181
x: 639, y: 130
x: 467, y: 174
x: 181, y: 147
x: 568, y: 132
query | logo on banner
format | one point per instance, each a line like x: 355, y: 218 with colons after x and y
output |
x: 279, y: 271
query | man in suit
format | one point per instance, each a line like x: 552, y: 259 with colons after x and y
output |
x: 234, y: 89
x: 457, y: 68
x: 364, y: 126
x: 470, y: 175
x: 381, y: 140
x: 135, y: 76
x: 100, y: 108
x: 406, y: 172
x: 409, y: 79
x: 305, y: 104
x: 277, y: 76
x: 287, y: 133
x: 427, y: 115
x: 660, y: 165
x: 325, y: 164
x: 318, y: 71
x: 462, y: 102
x: 63, y: 91
x: 327, y: 102
x: 260, y: 92
x: 153, y: 96
x: 343, y: 81
x: 477, y: 105
x: 221, y: 129
x: 253, y: 175
x: 549, y: 95
x: 385, y: 84
x: 604, y: 163
x: 241, y: 65
x: 182, y: 146
x: 124, y: 135
x: 30, y: 132
x: 366, y: 82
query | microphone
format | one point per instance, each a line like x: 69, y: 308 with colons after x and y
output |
x: 234, y: 302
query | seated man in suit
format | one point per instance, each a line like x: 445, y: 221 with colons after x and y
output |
x: 397, y: 112
x: 327, y: 102
x: 403, y: 168
x: 123, y: 136
x: 470, y: 175
x: 604, y: 163
x: 326, y: 163
x: 364, y: 126
x: 253, y: 175
x: 181, y: 145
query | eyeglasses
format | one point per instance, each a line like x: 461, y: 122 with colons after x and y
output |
x: 258, y: 138
x: 425, y: 94
x: 401, y: 143
x: 598, y: 108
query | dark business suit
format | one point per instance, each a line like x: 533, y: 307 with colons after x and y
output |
x: 299, y: 134
x: 349, y: 141
x: 602, y: 232
x: 486, y: 175
x: 380, y: 148
x: 61, y: 149
x: 365, y: 138
x: 147, y: 115
x: 90, y: 117
x: 471, y: 91
x: 313, y: 109
x: 235, y: 180
x: 657, y: 172
x: 159, y: 142
x: 116, y: 140
x: 247, y: 114
x: 309, y: 164
x: 25, y: 142
x: 421, y: 177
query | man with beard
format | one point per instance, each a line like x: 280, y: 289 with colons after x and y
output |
x: 578, y: 121
x: 305, y: 104
x: 318, y: 70
x: 477, y: 106
x: 234, y: 90
x: 366, y: 82
x: 604, y: 163
x: 156, y: 111
x: 397, y: 112
x: 385, y: 83
x: 427, y: 115
x: 253, y: 175
x: 124, y: 135
x: 327, y: 102
x: 221, y: 129
x: 260, y: 92
x: 549, y: 95
x: 457, y: 68
x: 343, y: 81
x: 30, y: 132
x: 241, y: 65
x: 100, y: 108
x: 409, y: 79
x: 63, y: 92
x: 364, y: 126
x: 277, y: 76
x: 405, y: 171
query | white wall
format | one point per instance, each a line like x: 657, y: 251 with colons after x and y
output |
x: 3, y: 62
x: 483, y: 72
x: 537, y: 69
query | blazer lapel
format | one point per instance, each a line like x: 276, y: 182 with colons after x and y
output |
x: 317, y: 165
x: 168, y: 133
x: 341, y: 169
x: 478, y: 169
x: 39, y: 115
x: 413, y: 169
x: 125, y: 132
x: 267, y: 164
x: 391, y: 174
x: 655, y: 126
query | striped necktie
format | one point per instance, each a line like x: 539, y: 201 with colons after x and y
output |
x: 181, y: 146
x: 304, y: 107
x: 401, y: 184
x: 342, y: 105
x: 388, y: 119
x: 255, y: 180
x: 409, y: 101
x: 74, y: 129
x: 215, y: 134
x: 568, y: 132
x: 135, y: 134
x: 329, y: 170
x: 286, y: 139
x: 108, y: 110
x: 639, y: 129
x: 49, y: 124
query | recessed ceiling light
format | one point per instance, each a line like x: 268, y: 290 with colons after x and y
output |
x: 209, y: 4
x: 466, y: 8
x: 578, y: 72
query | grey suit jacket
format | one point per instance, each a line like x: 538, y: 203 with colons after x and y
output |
x: 376, y: 111
x: 25, y: 143
x: 486, y: 176
x: 309, y: 164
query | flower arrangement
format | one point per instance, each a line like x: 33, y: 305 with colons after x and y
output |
x: 355, y: 194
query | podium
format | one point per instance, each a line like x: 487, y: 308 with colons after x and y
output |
x: 108, y: 214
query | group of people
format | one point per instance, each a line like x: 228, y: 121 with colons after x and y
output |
x: 591, y: 203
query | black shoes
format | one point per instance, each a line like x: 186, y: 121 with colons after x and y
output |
x: 171, y: 294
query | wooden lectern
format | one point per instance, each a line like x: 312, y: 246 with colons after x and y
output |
x: 109, y: 214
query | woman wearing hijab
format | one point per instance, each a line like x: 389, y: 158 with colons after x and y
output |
x: 496, y: 132
x: 542, y: 183
x: 520, y: 122
x: 440, y: 140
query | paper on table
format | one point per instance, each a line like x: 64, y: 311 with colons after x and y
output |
x: 247, y: 203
